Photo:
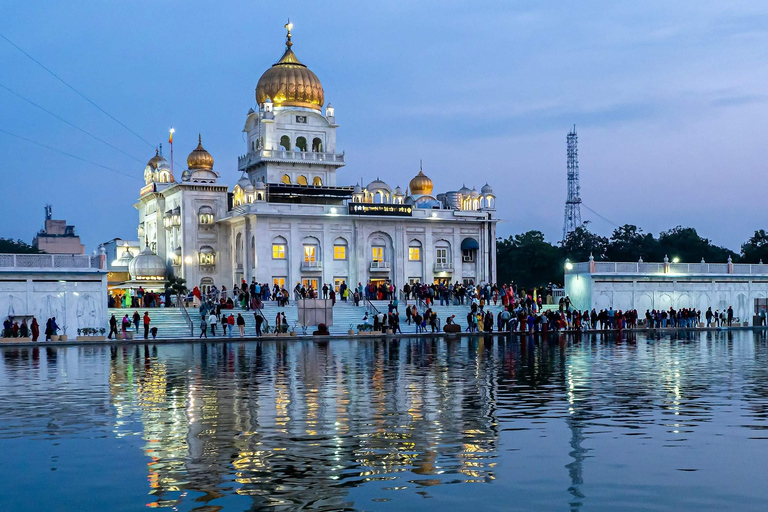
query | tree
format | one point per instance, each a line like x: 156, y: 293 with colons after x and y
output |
x: 629, y: 243
x: 177, y: 285
x: 529, y: 260
x: 756, y: 248
x: 10, y: 246
x: 688, y: 246
x: 581, y: 243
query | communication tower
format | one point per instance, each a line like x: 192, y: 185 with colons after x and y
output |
x: 572, y: 218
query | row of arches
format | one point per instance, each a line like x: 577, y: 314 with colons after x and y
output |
x: 301, y: 144
x: 317, y: 181
x: 476, y: 203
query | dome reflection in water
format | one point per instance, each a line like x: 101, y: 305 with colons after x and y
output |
x: 593, y: 423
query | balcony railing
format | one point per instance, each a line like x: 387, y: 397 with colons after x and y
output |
x: 10, y: 262
x: 443, y: 267
x: 622, y: 267
x: 380, y: 266
x: 312, y: 265
x: 254, y: 157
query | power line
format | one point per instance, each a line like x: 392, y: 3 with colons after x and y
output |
x: 606, y: 220
x: 67, y: 122
x: 57, y: 77
x: 66, y: 153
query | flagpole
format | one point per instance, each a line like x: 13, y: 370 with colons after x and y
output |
x: 170, y: 141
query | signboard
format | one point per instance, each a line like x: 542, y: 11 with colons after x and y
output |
x: 392, y: 210
x: 315, y: 312
x: 147, y: 189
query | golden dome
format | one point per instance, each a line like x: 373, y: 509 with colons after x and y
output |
x: 289, y: 83
x: 421, y: 185
x: 200, y: 158
x: 156, y: 160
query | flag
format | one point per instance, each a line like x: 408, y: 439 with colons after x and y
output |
x: 170, y: 137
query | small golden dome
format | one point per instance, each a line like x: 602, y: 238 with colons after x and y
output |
x: 421, y: 185
x: 200, y: 158
x: 156, y: 160
x: 289, y: 83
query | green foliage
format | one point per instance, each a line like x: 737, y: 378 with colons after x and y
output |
x: 756, y: 248
x: 9, y: 246
x: 177, y: 285
x: 688, y: 246
x: 581, y: 243
x: 530, y: 260
x: 629, y: 243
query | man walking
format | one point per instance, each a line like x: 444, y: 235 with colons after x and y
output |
x: 112, y: 327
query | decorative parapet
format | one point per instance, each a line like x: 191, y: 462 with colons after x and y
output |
x: 32, y: 262
x: 643, y: 268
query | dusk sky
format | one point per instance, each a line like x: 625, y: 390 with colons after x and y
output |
x: 669, y: 99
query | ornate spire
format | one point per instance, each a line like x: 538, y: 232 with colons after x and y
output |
x: 288, y: 27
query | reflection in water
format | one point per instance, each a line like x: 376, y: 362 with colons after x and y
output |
x: 300, y: 425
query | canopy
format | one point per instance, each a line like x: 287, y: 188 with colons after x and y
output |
x: 469, y: 244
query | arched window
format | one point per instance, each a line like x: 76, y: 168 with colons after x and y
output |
x: 205, y: 215
x: 286, y: 179
x: 239, y: 250
x: 414, y: 250
x: 301, y: 143
x: 207, y: 256
x: 279, y: 248
x: 340, y: 249
x: 301, y: 180
x: 253, y: 145
x: 317, y: 181
x: 442, y: 255
x: 317, y: 145
x: 239, y: 196
x: 285, y: 142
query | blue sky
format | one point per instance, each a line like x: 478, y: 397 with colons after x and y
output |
x: 669, y: 99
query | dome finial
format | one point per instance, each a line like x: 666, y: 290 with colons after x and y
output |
x: 199, y: 139
x: 288, y: 27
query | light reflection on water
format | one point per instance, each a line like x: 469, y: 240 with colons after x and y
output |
x: 594, y: 423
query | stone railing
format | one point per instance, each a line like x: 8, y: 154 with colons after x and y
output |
x: 380, y: 266
x: 443, y: 267
x: 254, y: 157
x: 79, y: 262
x: 622, y: 267
x: 311, y: 265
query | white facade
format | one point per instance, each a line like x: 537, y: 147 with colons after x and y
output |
x: 288, y: 220
x: 647, y: 286
x: 72, y: 288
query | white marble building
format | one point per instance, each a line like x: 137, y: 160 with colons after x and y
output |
x: 289, y: 219
x: 647, y: 286
x: 72, y: 288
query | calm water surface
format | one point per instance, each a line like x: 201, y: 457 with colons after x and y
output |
x: 594, y: 424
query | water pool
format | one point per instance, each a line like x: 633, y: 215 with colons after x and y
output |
x: 596, y: 423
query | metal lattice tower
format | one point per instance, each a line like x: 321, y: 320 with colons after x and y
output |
x: 572, y: 218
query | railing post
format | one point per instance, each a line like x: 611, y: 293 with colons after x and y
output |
x: 730, y: 265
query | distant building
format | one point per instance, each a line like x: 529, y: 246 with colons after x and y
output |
x: 661, y: 286
x: 57, y: 237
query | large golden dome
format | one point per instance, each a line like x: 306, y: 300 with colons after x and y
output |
x: 199, y: 158
x: 289, y: 83
x: 421, y: 185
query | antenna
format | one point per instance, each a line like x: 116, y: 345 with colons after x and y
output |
x: 572, y: 217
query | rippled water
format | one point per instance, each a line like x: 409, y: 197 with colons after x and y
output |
x: 593, y: 424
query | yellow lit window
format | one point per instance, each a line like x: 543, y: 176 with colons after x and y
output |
x: 278, y: 251
x: 377, y: 253
x: 339, y: 252
x: 414, y: 253
x: 279, y: 281
x: 309, y: 253
x: 307, y: 282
